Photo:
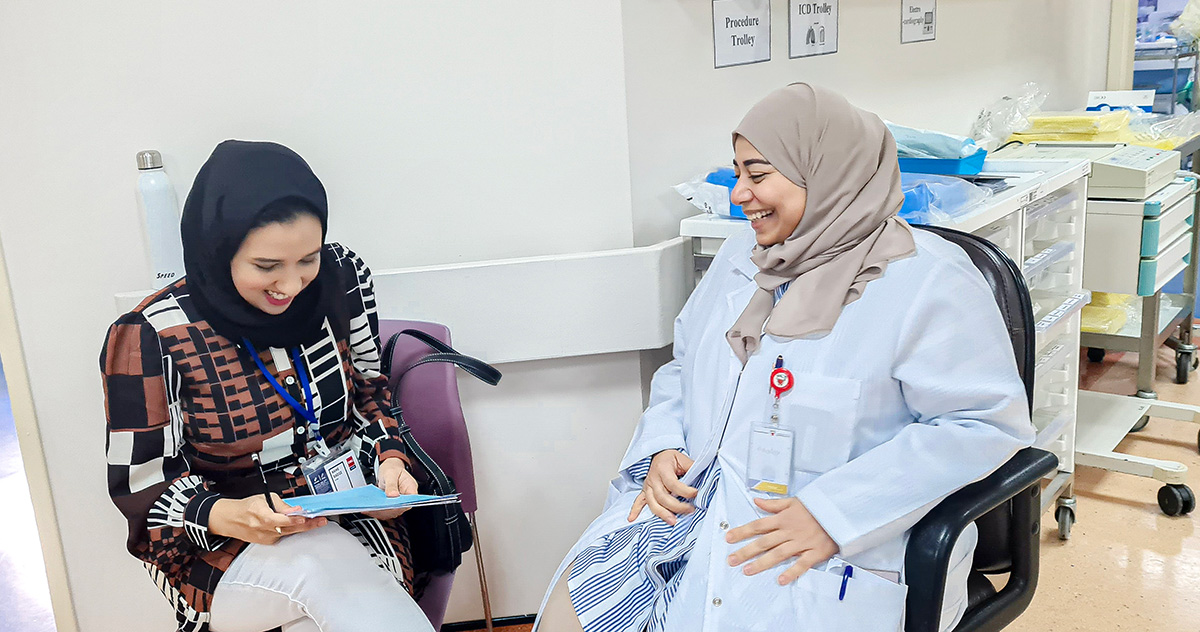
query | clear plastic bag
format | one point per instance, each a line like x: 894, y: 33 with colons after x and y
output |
x: 1010, y: 114
x: 1187, y: 26
x: 931, y: 199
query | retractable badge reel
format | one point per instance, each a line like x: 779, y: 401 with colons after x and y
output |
x: 769, y: 468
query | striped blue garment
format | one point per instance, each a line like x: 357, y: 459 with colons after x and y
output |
x: 625, y: 581
x: 780, y: 290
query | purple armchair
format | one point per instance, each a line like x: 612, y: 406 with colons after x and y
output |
x: 429, y: 397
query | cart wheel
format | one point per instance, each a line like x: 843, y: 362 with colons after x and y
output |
x: 1066, y: 518
x: 1095, y: 355
x: 1183, y: 365
x: 1176, y: 500
x: 1141, y: 423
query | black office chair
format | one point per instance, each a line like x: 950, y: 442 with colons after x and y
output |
x: 1005, y: 506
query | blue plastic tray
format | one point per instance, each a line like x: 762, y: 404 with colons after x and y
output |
x: 968, y: 166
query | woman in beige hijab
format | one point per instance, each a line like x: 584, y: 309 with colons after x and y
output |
x: 835, y: 377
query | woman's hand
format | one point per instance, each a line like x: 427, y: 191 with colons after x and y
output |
x: 252, y: 520
x: 393, y: 477
x: 662, y: 490
x: 791, y: 533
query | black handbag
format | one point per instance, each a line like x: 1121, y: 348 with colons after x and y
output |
x: 438, y: 535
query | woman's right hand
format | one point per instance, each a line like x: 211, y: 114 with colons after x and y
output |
x: 252, y: 520
x: 662, y: 490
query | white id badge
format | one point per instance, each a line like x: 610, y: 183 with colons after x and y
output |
x: 338, y: 471
x: 769, y: 468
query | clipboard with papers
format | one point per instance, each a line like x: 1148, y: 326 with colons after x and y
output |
x: 361, y: 499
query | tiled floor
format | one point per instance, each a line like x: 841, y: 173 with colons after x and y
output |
x: 1127, y: 565
x: 25, y: 605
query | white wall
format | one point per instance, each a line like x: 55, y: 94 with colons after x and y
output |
x: 443, y: 131
x: 448, y: 131
x: 682, y: 110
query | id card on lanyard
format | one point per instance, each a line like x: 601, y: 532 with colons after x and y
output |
x: 769, y: 466
x: 331, y: 470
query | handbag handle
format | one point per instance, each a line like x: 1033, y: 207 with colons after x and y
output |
x: 477, y: 368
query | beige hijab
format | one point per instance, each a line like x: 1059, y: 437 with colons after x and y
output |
x: 846, y: 159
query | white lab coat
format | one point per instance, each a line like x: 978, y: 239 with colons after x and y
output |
x: 913, y: 395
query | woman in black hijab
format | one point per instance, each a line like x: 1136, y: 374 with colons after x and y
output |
x: 248, y: 382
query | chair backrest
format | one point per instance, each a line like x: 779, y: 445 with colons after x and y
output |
x: 993, y: 554
x: 428, y: 397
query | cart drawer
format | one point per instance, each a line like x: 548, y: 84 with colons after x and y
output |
x: 1156, y: 271
x: 1159, y: 232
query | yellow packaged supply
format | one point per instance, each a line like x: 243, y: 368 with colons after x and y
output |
x: 1077, y: 122
x: 1103, y: 320
x: 1110, y: 299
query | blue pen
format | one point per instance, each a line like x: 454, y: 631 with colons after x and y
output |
x: 847, y: 573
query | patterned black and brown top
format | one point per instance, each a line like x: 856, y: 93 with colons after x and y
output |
x: 188, y: 407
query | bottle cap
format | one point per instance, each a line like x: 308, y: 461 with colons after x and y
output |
x: 149, y: 159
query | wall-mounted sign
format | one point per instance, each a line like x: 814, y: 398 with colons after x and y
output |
x: 741, y: 32
x: 918, y: 21
x: 812, y: 28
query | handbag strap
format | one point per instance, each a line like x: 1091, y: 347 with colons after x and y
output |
x: 477, y: 368
x: 415, y: 450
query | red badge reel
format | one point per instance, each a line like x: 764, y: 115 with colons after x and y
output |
x: 781, y: 381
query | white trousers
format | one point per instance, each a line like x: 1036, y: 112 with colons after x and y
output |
x: 318, y: 581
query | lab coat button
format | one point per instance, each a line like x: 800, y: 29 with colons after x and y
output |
x: 724, y: 525
x: 289, y: 380
x: 716, y: 601
x: 300, y: 430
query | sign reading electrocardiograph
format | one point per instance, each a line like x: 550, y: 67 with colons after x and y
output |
x: 918, y: 21
x: 812, y: 28
x: 741, y: 32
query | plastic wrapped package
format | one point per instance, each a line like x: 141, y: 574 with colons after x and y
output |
x: 1107, y: 313
x: 1110, y: 299
x: 1103, y: 320
x: 1010, y: 114
x: 1187, y: 26
x: 1163, y: 131
x: 919, y: 143
x: 931, y: 199
x: 1077, y: 122
x: 709, y: 192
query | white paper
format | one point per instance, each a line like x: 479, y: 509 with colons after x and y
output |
x: 1107, y: 99
x: 741, y: 32
x: 918, y: 21
x: 812, y: 28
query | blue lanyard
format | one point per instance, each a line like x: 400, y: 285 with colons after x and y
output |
x: 307, y: 413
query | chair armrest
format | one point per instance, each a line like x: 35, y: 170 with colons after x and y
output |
x: 927, y: 558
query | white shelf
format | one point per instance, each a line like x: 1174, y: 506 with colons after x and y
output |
x: 1054, y: 324
x: 1053, y: 430
x: 1038, y: 263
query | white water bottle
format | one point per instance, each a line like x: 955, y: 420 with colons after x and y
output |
x: 160, y: 209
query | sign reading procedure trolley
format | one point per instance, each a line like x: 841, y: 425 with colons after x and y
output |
x: 741, y: 32
x: 812, y: 28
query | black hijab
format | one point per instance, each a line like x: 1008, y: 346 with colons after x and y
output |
x: 233, y: 188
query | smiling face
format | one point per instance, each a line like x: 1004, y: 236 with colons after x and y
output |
x: 277, y: 261
x: 773, y: 204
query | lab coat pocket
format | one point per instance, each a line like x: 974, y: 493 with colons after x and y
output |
x: 822, y: 412
x: 869, y: 602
